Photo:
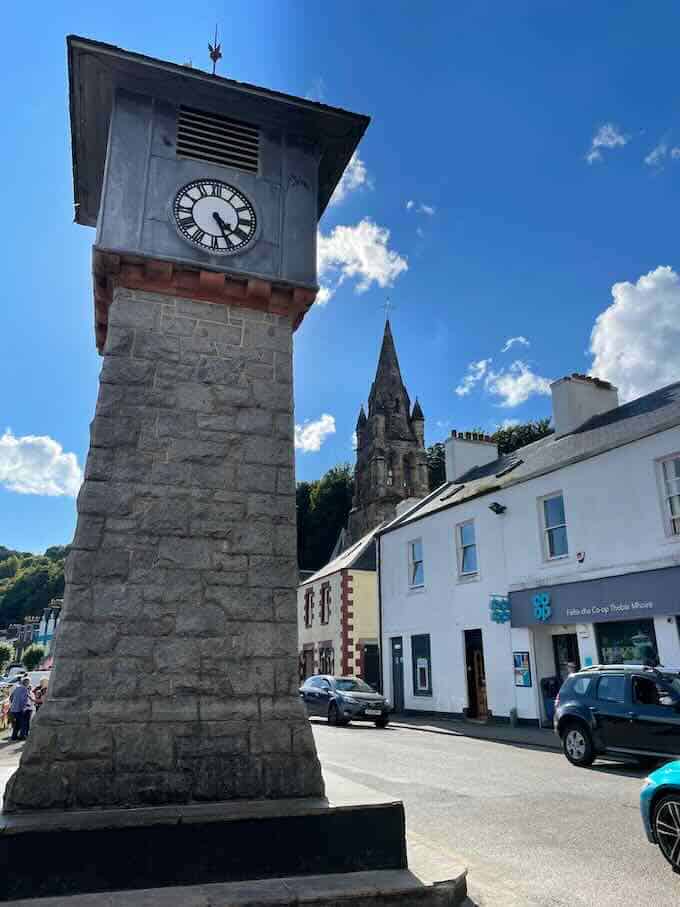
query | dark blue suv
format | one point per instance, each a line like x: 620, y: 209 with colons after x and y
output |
x: 619, y: 710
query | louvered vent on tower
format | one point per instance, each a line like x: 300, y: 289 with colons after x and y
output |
x: 220, y: 140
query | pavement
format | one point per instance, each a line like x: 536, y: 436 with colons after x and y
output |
x: 522, y: 735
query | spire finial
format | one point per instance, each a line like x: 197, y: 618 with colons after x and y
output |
x: 388, y: 305
x: 215, y: 51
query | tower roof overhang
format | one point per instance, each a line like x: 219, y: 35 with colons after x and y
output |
x: 96, y: 69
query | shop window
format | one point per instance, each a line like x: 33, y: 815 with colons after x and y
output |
x: 416, y: 570
x: 420, y: 659
x: 611, y: 688
x: 670, y: 474
x: 554, y: 527
x: 466, y: 543
x: 627, y: 641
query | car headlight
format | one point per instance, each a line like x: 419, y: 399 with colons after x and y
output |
x: 349, y: 699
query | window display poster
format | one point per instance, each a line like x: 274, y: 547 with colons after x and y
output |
x: 522, y: 669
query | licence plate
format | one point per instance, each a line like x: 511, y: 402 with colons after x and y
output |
x: 373, y: 712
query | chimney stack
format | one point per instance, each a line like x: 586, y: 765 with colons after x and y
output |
x: 467, y: 450
x: 577, y: 398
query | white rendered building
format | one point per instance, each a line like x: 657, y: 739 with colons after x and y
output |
x: 562, y: 554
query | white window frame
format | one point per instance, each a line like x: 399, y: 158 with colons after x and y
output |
x: 412, y: 562
x: 670, y: 521
x: 460, y: 551
x: 545, y: 529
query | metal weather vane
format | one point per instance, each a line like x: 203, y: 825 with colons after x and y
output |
x: 389, y: 306
x: 215, y: 51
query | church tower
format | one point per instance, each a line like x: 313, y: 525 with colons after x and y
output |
x: 391, y: 462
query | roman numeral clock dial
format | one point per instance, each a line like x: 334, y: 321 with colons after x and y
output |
x: 215, y: 216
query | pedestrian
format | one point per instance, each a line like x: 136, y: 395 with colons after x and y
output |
x: 39, y: 693
x: 21, y: 708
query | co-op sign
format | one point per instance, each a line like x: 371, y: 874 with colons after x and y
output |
x: 650, y: 593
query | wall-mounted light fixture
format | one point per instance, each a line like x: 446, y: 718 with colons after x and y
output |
x: 497, y: 508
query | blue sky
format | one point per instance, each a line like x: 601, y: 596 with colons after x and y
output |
x: 539, y: 144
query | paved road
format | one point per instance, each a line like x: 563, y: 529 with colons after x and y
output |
x: 532, y: 829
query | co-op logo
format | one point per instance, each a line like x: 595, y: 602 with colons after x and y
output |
x: 542, y: 606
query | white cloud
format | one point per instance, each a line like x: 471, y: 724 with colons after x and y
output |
x: 511, y: 341
x: 360, y: 252
x: 475, y: 372
x: 421, y: 209
x: 420, y: 233
x: 509, y: 423
x: 355, y: 441
x: 607, y: 136
x: 38, y: 465
x: 354, y: 177
x: 324, y: 295
x: 656, y: 156
x: 310, y: 435
x: 516, y: 384
x: 635, y: 342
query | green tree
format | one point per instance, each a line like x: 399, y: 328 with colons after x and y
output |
x: 32, y: 657
x: 323, y: 508
x: 9, y: 566
x: 37, y: 580
x: 436, y: 464
x: 515, y: 436
x: 6, y: 655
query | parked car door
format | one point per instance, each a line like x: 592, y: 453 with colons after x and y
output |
x: 656, y: 716
x: 310, y: 695
x: 324, y: 697
x: 611, y: 711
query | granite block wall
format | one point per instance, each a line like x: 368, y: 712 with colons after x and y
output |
x: 175, y: 673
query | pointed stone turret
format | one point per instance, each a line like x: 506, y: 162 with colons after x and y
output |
x: 391, y: 463
x: 418, y: 423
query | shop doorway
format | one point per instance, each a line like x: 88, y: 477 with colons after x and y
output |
x: 565, y: 648
x: 397, y: 673
x: 371, y: 665
x: 308, y: 661
x: 476, y: 675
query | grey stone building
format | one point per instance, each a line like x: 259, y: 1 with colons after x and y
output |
x: 391, y: 462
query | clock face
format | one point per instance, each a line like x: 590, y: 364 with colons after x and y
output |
x: 215, y: 216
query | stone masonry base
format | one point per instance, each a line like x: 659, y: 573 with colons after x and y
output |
x: 175, y: 675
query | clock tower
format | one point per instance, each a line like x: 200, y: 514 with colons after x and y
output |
x: 175, y: 666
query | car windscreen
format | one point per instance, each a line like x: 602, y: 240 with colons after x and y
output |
x: 353, y: 684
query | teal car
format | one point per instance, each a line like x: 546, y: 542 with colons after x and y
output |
x: 660, y: 807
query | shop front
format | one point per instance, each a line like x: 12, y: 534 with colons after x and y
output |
x: 633, y: 618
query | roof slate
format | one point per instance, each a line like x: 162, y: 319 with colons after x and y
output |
x: 648, y: 415
x: 360, y: 555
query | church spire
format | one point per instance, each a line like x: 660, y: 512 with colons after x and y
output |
x: 388, y: 391
x: 388, y: 364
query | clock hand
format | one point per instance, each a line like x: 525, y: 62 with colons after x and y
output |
x: 221, y: 224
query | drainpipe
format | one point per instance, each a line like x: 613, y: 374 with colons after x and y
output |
x: 380, y: 618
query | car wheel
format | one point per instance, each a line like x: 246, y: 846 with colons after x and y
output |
x: 666, y: 823
x: 382, y: 722
x: 577, y: 745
